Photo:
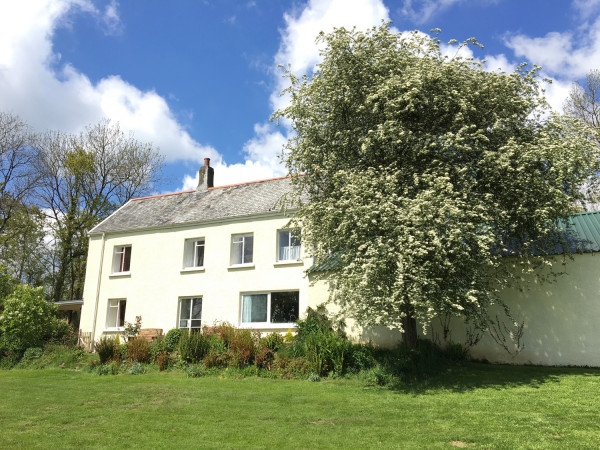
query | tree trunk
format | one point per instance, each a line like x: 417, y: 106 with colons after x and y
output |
x: 409, y: 324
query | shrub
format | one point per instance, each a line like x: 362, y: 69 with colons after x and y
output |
x: 105, y: 347
x: 273, y: 341
x: 264, y: 357
x: 172, y: 339
x: 162, y: 359
x: 314, y: 377
x: 242, y: 348
x: 27, y: 320
x: 193, y: 346
x: 132, y: 329
x: 32, y: 353
x: 194, y: 371
x: 360, y: 357
x: 158, y: 346
x: 138, y: 350
x: 137, y: 369
x: 63, y: 333
x: 225, y: 331
x: 217, y: 359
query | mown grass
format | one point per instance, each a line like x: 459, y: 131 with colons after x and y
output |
x: 473, y: 405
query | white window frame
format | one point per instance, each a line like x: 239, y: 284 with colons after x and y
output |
x: 244, y: 243
x: 193, y: 299
x: 190, y: 253
x: 116, y: 304
x: 268, y: 323
x: 291, y: 234
x: 119, y: 256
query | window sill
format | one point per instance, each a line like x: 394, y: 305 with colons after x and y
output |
x: 294, y: 262
x: 114, y: 330
x: 120, y: 275
x: 268, y: 326
x: 241, y: 266
x: 192, y: 269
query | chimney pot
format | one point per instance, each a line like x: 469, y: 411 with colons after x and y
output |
x: 207, y: 162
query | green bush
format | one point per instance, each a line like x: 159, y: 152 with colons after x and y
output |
x: 105, y: 348
x: 172, y: 339
x: 27, y: 320
x: 273, y: 341
x: 64, y: 334
x: 360, y: 357
x: 32, y: 353
x: 193, y: 346
x: 138, y: 350
x: 158, y: 346
x: 137, y: 369
x: 195, y: 371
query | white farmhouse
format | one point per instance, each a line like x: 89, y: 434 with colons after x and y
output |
x: 216, y: 254
x: 193, y: 258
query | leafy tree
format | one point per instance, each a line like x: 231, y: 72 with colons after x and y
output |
x: 422, y: 171
x: 584, y: 102
x: 17, y: 172
x: 28, y: 319
x: 85, y: 178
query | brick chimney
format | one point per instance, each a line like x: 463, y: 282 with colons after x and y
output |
x: 206, y: 176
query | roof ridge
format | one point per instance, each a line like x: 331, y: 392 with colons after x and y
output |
x: 251, y: 182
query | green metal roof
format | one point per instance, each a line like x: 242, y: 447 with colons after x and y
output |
x: 586, y: 228
x: 584, y: 237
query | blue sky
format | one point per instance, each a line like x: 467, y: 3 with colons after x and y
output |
x: 200, y: 79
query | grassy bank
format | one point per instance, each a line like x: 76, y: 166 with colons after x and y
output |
x: 480, y: 406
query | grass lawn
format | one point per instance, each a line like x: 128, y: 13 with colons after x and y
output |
x: 475, y: 405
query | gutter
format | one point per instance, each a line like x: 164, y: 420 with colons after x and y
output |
x: 97, y: 293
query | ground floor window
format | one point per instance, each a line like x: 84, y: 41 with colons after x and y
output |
x: 270, y: 307
x: 190, y: 312
x: 115, y: 317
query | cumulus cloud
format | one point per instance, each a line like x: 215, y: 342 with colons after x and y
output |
x: 50, y: 95
x: 567, y: 54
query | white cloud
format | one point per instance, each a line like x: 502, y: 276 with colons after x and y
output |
x: 49, y: 95
x: 567, y: 54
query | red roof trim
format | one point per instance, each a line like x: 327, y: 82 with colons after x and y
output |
x: 216, y: 187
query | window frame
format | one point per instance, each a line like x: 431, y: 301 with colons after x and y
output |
x: 268, y: 323
x: 189, y: 320
x: 293, y: 233
x: 121, y: 307
x: 243, y: 262
x: 190, y: 250
x: 119, y: 264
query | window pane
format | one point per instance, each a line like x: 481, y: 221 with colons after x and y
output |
x: 183, y: 324
x: 196, y: 323
x: 236, y: 251
x: 111, y: 319
x: 254, y: 308
x: 126, y: 259
x: 122, y: 304
x: 199, y: 256
x: 284, y: 245
x: 248, y: 247
x: 185, y: 309
x: 197, y: 308
x: 188, y: 253
x: 284, y: 307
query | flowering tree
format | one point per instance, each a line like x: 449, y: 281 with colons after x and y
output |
x: 422, y: 171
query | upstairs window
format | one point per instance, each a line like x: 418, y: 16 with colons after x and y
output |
x: 122, y: 258
x: 193, y: 253
x: 288, y: 245
x: 241, y: 249
x: 115, y: 317
x: 270, y: 308
x: 190, y: 313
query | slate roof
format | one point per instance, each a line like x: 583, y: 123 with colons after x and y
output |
x: 258, y: 197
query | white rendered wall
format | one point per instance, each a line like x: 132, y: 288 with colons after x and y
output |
x: 157, y: 281
x: 562, y: 319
